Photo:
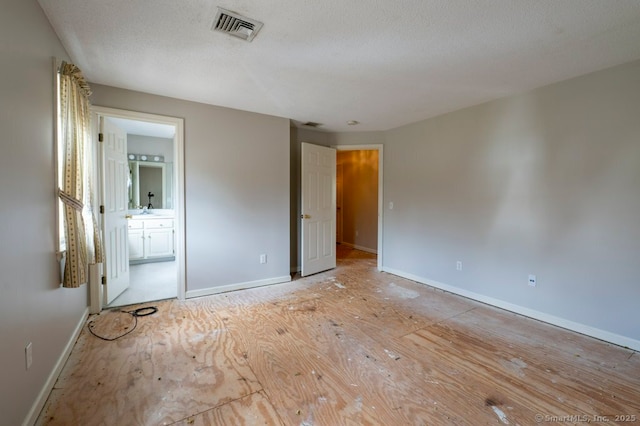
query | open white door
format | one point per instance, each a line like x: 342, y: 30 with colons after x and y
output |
x: 115, y: 167
x: 318, y: 209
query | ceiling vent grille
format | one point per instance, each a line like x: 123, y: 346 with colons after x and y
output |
x: 236, y: 25
x: 311, y: 124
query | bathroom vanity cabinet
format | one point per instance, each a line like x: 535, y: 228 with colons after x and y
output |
x: 150, y: 239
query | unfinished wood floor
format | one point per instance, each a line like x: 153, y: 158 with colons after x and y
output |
x: 349, y: 346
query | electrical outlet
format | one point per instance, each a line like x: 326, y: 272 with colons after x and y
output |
x: 28, y: 355
x: 459, y: 265
x: 532, y: 280
x: 263, y: 258
x: 357, y: 233
x: 390, y: 205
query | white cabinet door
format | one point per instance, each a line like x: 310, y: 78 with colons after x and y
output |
x: 136, y: 244
x: 159, y: 242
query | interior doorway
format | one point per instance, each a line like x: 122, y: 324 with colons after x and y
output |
x: 154, y: 210
x: 366, y: 211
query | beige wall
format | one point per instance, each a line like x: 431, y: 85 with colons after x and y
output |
x: 33, y: 308
x: 545, y: 183
x: 359, y: 202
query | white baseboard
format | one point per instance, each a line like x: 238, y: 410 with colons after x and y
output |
x: 361, y: 248
x: 588, y: 330
x: 238, y: 286
x: 34, y: 412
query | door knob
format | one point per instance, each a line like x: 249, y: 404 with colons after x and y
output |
x: 128, y: 216
x: 305, y: 216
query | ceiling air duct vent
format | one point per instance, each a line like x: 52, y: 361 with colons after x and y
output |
x: 236, y: 25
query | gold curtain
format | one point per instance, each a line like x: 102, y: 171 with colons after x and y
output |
x: 75, y: 134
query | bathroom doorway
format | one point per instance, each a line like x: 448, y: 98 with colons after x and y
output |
x: 151, y: 239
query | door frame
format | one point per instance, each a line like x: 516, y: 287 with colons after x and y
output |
x: 178, y: 190
x: 339, y: 202
x: 380, y: 149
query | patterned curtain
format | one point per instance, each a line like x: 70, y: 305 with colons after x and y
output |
x: 75, y: 133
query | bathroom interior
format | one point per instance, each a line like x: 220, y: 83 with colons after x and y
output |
x: 151, y: 216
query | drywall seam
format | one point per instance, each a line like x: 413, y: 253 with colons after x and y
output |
x: 38, y: 404
x: 238, y: 286
x: 531, y: 313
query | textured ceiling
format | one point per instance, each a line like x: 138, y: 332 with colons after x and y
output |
x: 383, y: 63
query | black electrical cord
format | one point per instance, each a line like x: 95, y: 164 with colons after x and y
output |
x: 140, y: 312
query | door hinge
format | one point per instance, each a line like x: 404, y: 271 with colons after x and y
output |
x: 104, y: 280
x: 101, y: 209
x: 100, y: 137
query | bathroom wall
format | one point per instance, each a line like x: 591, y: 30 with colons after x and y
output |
x: 139, y: 144
x: 151, y: 145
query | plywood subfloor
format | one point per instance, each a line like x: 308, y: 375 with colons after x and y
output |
x: 348, y: 346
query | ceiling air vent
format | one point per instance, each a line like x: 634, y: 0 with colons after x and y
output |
x: 311, y: 124
x: 236, y: 25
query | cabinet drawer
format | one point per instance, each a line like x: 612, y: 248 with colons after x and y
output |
x: 158, y: 223
x: 135, y: 224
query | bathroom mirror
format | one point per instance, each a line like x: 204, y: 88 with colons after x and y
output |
x: 149, y: 177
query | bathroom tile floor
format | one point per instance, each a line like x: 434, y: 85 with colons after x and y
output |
x: 149, y: 282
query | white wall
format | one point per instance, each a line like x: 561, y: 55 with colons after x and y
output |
x: 33, y: 308
x: 545, y: 183
x: 236, y: 189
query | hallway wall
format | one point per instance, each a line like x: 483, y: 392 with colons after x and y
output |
x: 359, y: 198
